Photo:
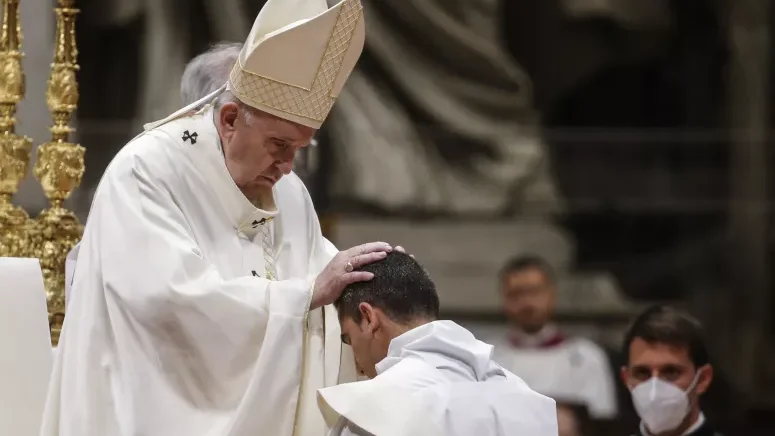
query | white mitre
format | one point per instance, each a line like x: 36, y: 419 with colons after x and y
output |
x: 298, y: 57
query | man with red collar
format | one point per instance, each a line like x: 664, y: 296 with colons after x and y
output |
x: 667, y: 371
x: 537, y: 351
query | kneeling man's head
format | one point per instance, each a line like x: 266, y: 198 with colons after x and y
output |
x: 400, y: 297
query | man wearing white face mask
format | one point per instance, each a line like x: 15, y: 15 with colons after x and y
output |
x: 667, y: 371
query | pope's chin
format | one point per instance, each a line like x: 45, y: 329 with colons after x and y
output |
x: 263, y: 181
x: 257, y: 188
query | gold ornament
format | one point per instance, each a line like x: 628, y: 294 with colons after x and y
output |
x: 14, y: 149
x: 59, y: 169
x: 59, y: 166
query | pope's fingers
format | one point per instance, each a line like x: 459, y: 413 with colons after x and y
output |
x: 369, y: 248
x: 357, y: 276
x: 401, y: 249
x: 365, y: 259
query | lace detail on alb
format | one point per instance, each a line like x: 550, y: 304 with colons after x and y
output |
x: 269, y: 256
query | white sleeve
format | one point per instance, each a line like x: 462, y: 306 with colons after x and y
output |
x: 337, y: 430
x: 599, y: 390
x: 350, y: 429
x: 347, y: 370
x: 329, y: 248
x: 344, y: 427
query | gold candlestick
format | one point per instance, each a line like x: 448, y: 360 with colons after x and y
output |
x: 14, y: 149
x: 59, y: 168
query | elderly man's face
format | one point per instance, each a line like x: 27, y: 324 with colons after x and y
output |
x: 259, y: 148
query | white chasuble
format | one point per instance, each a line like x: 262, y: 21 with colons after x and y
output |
x: 173, y: 327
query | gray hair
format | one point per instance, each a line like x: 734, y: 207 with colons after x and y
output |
x: 208, y: 71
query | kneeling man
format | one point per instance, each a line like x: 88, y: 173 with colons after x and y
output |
x: 427, y: 377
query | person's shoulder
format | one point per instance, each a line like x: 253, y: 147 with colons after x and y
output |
x: 588, y: 350
x: 517, y: 386
x: 153, y: 151
x: 413, y: 374
x: 145, y: 146
x: 509, y: 406
x: 498, y: 340
x: 582, y: 342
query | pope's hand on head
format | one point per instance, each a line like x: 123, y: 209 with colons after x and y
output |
x: 401, y: 249
x: 343, y: 270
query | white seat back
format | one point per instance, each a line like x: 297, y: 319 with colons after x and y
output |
x: 25, y: 347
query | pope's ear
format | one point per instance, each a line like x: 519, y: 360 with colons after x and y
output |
x: 227, y: 116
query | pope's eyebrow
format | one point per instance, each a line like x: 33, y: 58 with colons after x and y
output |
x: 280, y: 139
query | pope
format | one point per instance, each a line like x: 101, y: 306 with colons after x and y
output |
x: 201, y: 300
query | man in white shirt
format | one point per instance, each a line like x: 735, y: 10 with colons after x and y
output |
x: 203, y: 288
x: 565, y: 368
x: 428, y: 377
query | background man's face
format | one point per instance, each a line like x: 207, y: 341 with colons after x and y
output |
x: 368, y: 348
x: 259, y: 153
x: 671, y: 363
x: 528, y: 298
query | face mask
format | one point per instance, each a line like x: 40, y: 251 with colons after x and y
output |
x: 661, y: 405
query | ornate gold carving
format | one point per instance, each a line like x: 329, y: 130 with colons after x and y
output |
x: 14, y: 149
x: 59, y: 168
x: 315, y: 102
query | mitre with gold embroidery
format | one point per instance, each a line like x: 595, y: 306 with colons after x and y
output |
x: 298, y: 57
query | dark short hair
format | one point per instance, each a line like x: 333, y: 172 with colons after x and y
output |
x: 668, y: 325
x: 527, y: 262
x: 401, y: 288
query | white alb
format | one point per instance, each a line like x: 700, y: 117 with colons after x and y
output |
x: 438, y: 380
